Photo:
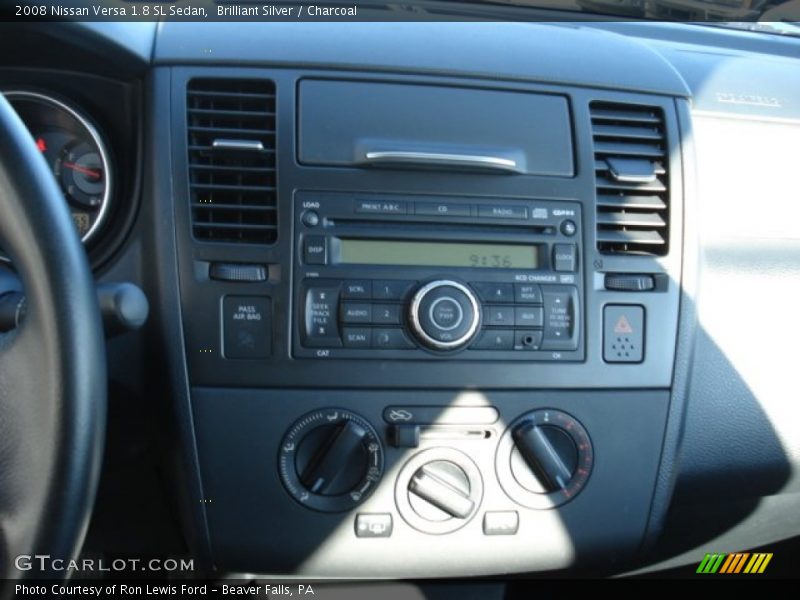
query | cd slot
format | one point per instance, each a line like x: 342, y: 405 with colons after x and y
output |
x: 356, y: 225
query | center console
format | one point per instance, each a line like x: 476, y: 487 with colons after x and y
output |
x: 429, y: 324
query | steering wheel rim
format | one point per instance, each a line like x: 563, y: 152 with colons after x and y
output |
x: 52, y: 368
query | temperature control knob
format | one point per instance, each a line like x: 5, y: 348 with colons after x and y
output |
x: 444, y: 315
x: 544, y: 459
x: 549, y: 452
x: 330, y: 460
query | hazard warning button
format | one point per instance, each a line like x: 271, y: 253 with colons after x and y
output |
x: 623, y: 333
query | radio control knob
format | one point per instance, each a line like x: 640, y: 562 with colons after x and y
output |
x: 444, y: 315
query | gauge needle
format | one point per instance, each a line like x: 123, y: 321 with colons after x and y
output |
x: 84, y: 170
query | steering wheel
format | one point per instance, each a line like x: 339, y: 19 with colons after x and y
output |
x: 52, y: 370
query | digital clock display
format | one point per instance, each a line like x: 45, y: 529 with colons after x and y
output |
x: 438, y: 254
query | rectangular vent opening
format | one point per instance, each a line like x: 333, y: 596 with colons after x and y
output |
x: 631, y: 178
x: 232, y: 178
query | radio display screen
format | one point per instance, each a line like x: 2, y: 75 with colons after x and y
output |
x: 438, y: 254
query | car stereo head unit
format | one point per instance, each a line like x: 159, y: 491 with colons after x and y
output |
x: 414, y: 277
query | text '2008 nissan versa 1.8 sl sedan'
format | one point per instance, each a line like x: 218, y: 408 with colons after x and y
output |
x: 432, y: 300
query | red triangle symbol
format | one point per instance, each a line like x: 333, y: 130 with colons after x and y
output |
x: 622, y: 325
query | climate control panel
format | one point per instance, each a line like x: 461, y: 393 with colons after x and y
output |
x: 426, y: 482
x: 332, y: 460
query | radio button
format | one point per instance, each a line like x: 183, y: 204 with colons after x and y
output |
x: 560, y: 318
x: 390, y: 339
x: 386, y: 314
x: 528, y: 316
x: 315, y: 251
x: 381, y: 207
x: 390, y: 289
x: 527, y: 340
x: 321, y: 329
x: 498, y: 315
x: 494, y: 292
x: 310, y: 218
x: 565, y: 258
x: 527, y: 293
x: 502, y: 212
x: 356, y: 313
x: 357, y: 289
x: 495, y: 339
x: 356, y: 337
x: 442, y: 209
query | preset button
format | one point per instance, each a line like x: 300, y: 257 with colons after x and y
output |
x: 494, y: 292
x: 386, y: 314
x: 495, y: 339
x: 390, y: 289
x: 498, y: 315
x: 390, y: 339
x: 381, y: 207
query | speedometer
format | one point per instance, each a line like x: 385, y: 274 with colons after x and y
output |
x: 75, y: 152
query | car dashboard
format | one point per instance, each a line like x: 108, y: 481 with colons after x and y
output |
x: 436, y: 300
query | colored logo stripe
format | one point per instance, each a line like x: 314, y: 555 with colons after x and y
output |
x: 738, y: 562
x: 758, y: 563
x: 735, y: 562
x: 710, y: 563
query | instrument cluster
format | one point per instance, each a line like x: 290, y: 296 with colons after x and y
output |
x: 77, y: 154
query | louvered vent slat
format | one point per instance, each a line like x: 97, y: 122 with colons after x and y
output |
x: 621, y: 201
x: 632, y: 205
x: 625, y: 148
x: 232, y: 191
x: 609, y: 183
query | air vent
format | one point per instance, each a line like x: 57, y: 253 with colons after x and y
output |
x: 631, y: 158
x: 232, y: 182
